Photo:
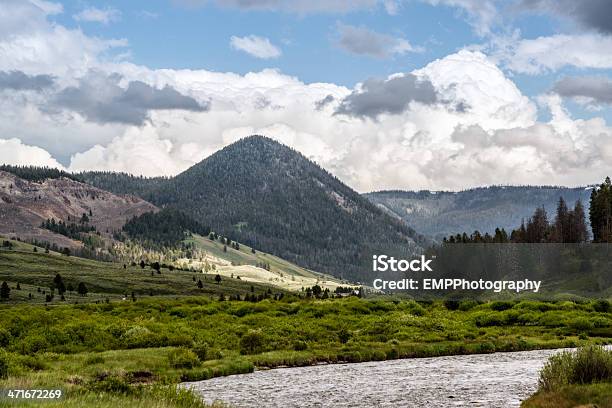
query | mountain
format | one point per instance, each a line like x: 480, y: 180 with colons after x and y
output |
x: 439, y: 214
x: 26, y: 204
x: 270, y: 197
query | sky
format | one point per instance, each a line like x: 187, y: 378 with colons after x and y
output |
x: 384, y: 94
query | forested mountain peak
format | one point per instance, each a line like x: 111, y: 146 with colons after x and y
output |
x: 268, y: 196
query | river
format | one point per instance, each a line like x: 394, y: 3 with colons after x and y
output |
x: 480, y: 380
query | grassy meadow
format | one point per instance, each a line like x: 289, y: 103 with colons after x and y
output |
x: 35, y: 271
x: 139, y: 350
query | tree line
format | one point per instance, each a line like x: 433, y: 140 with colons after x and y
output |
x: 568, y: 226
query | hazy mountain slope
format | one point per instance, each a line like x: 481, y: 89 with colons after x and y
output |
x: 439, y: 214
x: 272, y: 198
x: 24, y: 205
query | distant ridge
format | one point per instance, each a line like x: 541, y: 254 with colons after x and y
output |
x: 442, y: 213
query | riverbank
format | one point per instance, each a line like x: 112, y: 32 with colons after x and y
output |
x: 124, y: 349
x: 587, y: 395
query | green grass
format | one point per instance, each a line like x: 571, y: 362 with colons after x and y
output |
x: 104, y: 280
x: 572, y: 396
x: 244, y: 256
x: 122, y: 350
x: 575, y: 378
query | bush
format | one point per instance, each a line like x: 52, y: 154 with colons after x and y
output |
x: 5, y: 338
x: 584, y: 366
x: 95, y: 359
x: 138, y: 337
x: 4, y: 363
x: 451, y: 304
x: 183, y: 358
x: 201, y: 350
x: 251, y: 342
x: 500, y: 306
x: 602, y: 306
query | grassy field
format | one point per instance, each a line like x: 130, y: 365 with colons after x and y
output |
x: 35, y: 271
x: 242, y: 262
x: 120, y: 351
x: 571, y: 379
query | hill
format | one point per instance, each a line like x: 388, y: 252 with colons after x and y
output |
x: 104, y: 280
x: 256, y: 266
x: 442, y: 213
x: 268, y: 196
x: 28, y: 203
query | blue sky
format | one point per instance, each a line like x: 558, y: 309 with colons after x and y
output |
x: 196, y: 35
x: 447, y: 93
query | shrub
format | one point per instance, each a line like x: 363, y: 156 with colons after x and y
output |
x: 5, y: 338
x: 591, y: 364
x: 251, y: 342
x: 183, y: 358
x: 112, y: 383
x: 581, y: 324
x: 4, y: 363
x: 466, y: 305
x: 501, y: 306
x: 584, y: 366
x: 344, y: 335
x: 201, y: 350
x: 137, y: 337
x: 451, y: 304
x: 602, y: 306
x: 95, y: 359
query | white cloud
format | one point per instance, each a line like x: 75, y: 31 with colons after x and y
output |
x: 550, y: 53
x: 481, y: 14
x: 259, y: 47
x: 494, y: 138
x: 96, y: 15
x: 139, y: 151
x: 13, y: 151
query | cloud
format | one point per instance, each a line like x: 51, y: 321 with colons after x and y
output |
x: 100, y: 98
x: 481, y: 14
x: 590, y: 14
x: 592, y: 90
x: 299, y: 6
x: 322, y: 103
x: 457, y: 122
x: 363, y: 41
x: 139, y: 151
x: 17, y: 80
x: 258, y: 47
x: 96, y: 15
x: 391, y: 96
x: 550, y: 53
x: 13, y: 151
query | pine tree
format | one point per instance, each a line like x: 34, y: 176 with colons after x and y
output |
x: 562, y: 222
x: 5, y: 291
x: 82, y: 289
x: 600, y: 212
x: 578, y: 227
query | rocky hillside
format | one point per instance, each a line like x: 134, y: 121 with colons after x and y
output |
x: 24, y: 205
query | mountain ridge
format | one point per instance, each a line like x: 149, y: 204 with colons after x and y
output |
x: 270, y: 196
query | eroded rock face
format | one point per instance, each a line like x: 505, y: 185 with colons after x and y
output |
x: 24, y: 205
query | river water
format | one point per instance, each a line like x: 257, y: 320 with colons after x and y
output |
x: 482, y: 380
